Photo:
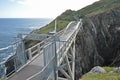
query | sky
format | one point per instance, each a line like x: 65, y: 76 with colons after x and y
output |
x: 39, y: 8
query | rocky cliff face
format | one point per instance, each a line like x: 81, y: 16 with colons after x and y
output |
x: 98, y: 43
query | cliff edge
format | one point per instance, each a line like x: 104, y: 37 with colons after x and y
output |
x: 98, y: 43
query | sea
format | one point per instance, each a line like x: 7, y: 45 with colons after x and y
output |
x: 11, y: 27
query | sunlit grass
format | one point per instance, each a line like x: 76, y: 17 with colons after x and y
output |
x: 48, y: 28
x: 110, y: 75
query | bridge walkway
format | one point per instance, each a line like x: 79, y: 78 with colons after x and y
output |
x: 36, y: 65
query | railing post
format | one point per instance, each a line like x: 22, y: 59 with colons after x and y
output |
x: 30, y: 54
x: 44, y: 54
x: 38, y: 48
x: 55, y: 53
x: 73, y: 61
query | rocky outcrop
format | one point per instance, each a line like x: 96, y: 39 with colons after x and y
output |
x: 98, y: 70
x: 86, y: 53
x: 108, y: 35
x: 98, y: 42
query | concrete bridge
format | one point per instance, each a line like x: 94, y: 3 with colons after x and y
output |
x: 51, y: 59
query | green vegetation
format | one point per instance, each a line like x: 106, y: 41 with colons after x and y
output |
x: 103, y: 6
x: 44, y: 30
x: 110, y: 75
x: 62, y: 22
x: 98, y: 7
x: 60, y: 25
x: 108, y: 69
x: 69, y: 15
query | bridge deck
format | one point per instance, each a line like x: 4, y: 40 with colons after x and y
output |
x: 37, y: 64
x: 33, y: 67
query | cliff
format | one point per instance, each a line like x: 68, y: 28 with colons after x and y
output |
x: 98, y: 43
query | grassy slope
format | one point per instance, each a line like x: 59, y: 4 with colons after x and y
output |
x: 98, y: 7
x: 60, y: 25
x: 106, y: 76
x: 69, y: 15
x: 62, y: 22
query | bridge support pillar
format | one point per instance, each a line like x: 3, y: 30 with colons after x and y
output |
x: 66, y: 70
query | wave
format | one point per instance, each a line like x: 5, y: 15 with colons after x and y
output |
x: 33, y: 28
x: 5, y: 48
x: 5, y: 58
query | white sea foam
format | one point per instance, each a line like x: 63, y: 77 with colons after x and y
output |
x: 33, y: 28
x: 5, y: 48
x: 6, y: 58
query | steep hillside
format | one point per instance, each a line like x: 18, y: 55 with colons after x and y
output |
x: 99, y: 42
x: 99, y: 7
x: 69, y: 15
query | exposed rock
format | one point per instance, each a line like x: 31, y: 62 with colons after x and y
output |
x: 107, y: 37
x: 97, y: 69
x: 98, y: 43
x: 9, y: 64
x: 86, y: 53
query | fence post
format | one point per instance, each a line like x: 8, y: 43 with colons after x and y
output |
x: 30, y: 54
x: 44, y: 54
x: 55, y: 58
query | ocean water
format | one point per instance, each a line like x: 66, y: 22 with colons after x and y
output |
x: 11, y: 27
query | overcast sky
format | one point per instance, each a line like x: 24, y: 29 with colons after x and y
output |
x: 39, y: 8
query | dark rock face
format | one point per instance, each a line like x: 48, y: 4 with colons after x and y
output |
x: 86, y: 53
x: 9, y: 64
x: 108, y: 35
x: 98, y: 43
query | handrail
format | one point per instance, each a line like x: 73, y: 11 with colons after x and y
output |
x: 42, y: 44
x: 37, y: 49
x: 65, y: 44
x: 31, y: 52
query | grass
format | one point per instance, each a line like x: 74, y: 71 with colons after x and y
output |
x: 69, y: 15
x: 107, y: 6
x: 88, y: 11
x: 99, y: 7
x: 61, y: 24
x: 106, y: 76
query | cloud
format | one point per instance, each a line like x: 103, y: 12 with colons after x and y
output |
x: 12, y: 0
x: 21, y: 2
x: 47, y: 8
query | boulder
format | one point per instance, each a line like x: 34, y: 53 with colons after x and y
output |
x: 98, y: 70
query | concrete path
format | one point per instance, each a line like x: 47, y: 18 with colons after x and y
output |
x: 32, y: 68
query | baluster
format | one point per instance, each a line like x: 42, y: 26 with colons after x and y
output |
x: 30, y: 54
x: 38, y: 49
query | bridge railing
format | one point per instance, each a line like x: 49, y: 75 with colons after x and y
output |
x: 47, y: 72
x: 35, y: 50
x: 66, y: 44
x: 28, y: 55
x: 57, y: 48
x: 13, y: 63
x: 38, y: 48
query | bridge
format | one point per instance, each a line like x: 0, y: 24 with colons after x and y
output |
x: 51, y: 59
